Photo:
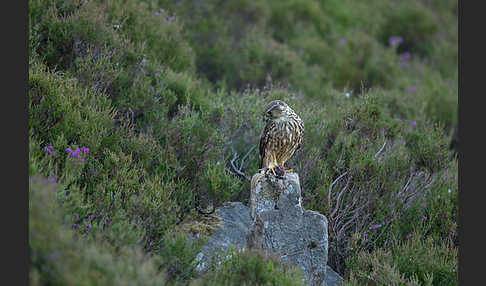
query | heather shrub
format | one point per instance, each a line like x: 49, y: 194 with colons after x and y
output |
x: 62, y: 113
x: 369, y: 173
x: 108, y: 45
x: 361, y: 62
x: 219, y: 184
x: 249, y: 268
x: 428, y: 147
x: 415, y: 24
x: 290, y: 18
x: 349, y: 15
x: 441, y: 102
x: 69, y: 111
x: 60, y: 256
x: 158, y: 33
x: 147, y: 114
x: 214, y: 30
x: 61, y: 30
x: 416, y: 261
x: 180, y: 257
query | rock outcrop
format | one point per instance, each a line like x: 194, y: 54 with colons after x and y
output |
x: 276, y: 223
x: 280, y: 225
x: 235, y: 221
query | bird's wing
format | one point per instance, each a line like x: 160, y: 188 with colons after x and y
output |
x: 263, y: 143
x: 301, y: 140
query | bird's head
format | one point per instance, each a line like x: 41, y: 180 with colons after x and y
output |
x: 276, y: 110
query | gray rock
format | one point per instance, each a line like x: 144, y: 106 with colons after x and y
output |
x: 235, y: 221
x: 332, y: 277
x: 280, y: 225
x: 276, y: 223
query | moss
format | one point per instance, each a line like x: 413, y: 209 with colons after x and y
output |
x: 201, y: 224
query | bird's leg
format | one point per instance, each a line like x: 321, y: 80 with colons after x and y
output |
x: 265, y: 174
x: 277, y: 171
x: 272, y: 169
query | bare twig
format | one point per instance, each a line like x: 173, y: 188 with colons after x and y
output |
x: 238, y: 169
x: 381, y: 149
x: 339, y: 196
x: 332, y: 184
x: 246, y: 155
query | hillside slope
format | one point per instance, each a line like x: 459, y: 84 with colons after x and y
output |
x: 145, y: 112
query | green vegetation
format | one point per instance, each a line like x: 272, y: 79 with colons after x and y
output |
x: 161, y: 96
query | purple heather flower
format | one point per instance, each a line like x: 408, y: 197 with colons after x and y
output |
x: 171, y: 18
x: 405, y: 56
x: 50, y: 149
x: 376, y: 226
x: 76, y: 215
x: 404, y: 59
x: 411, y: 89
x: 404, y: 141
x: 88, y: 227
x: 414, y: 123
x: 76, y: 153
x: 365, y: 235
x: 157, y: 13
x: 395, y: 41
x: 74, y: 225
x: 69, y: 150
x: 91, y: 217
x: 52, y: 179
x: 342, y: 41
x: 85, y: 150
x: 424, y: 217
x: 408, y: 236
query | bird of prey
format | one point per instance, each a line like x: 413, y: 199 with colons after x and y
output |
x: 281, y: 137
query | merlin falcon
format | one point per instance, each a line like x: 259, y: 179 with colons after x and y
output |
x: 282, y: 136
